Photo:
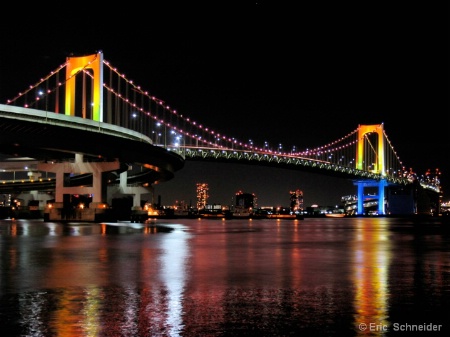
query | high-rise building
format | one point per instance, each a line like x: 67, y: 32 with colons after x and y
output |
x: 202, y: 195
x: 296, y: 200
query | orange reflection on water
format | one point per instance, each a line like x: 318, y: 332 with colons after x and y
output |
x: 372, y: 256
x: 76, y: 314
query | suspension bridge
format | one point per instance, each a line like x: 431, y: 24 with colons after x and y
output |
x: 88, y: 122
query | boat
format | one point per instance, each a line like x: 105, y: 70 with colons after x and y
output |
x: 213, y: 212
x: 260, y: 213
x: 276, y: 213
x: 183, y: 212
x: 241, y: 212
x: 334, y: 215
x: 290, y: 216
x: 211, y: 215
x: 282, y: 216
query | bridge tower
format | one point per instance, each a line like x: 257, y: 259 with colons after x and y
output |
x: 377, y: 166
x: 74, y: 65
x: 88, y: 105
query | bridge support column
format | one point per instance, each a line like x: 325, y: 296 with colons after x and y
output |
x: 360, y: 204
x: 380, y: 196
x: 381, y: 188
x: 135, y: 191
x: 79, y: 167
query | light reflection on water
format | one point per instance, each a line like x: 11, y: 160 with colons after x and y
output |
x: 371, y: 264
x: 320, y: 277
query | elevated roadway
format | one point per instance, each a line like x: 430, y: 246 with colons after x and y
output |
x: 29, y: 137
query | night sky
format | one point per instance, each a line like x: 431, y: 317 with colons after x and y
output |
x: 294, y: 74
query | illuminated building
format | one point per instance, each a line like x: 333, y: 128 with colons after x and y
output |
x: 296, y: 201
x: 202, y: 195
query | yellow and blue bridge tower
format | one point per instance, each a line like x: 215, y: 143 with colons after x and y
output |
x: 378, y: 165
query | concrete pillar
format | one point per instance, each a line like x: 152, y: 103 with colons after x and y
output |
x: 135, y: 191
x: 79, y: 167
x: 123, y: 180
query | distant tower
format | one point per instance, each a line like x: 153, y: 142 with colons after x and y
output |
x: 296, y: 201
x: 202, y: 195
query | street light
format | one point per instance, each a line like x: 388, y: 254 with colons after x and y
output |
x: 133, y: 119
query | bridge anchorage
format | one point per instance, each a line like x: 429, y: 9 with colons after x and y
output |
x: 113, y: 141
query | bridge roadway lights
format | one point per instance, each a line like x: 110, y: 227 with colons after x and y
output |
x: 362, y: 184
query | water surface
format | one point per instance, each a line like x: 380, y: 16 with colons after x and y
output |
x: 197, y: 277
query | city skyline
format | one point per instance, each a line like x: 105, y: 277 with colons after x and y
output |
x: 293, y: 76
x: 269, y: 186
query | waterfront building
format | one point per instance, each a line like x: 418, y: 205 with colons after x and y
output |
x: 296, y: 201
x: 202, y: 195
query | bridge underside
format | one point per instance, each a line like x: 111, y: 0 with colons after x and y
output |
x: 51, y: 143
